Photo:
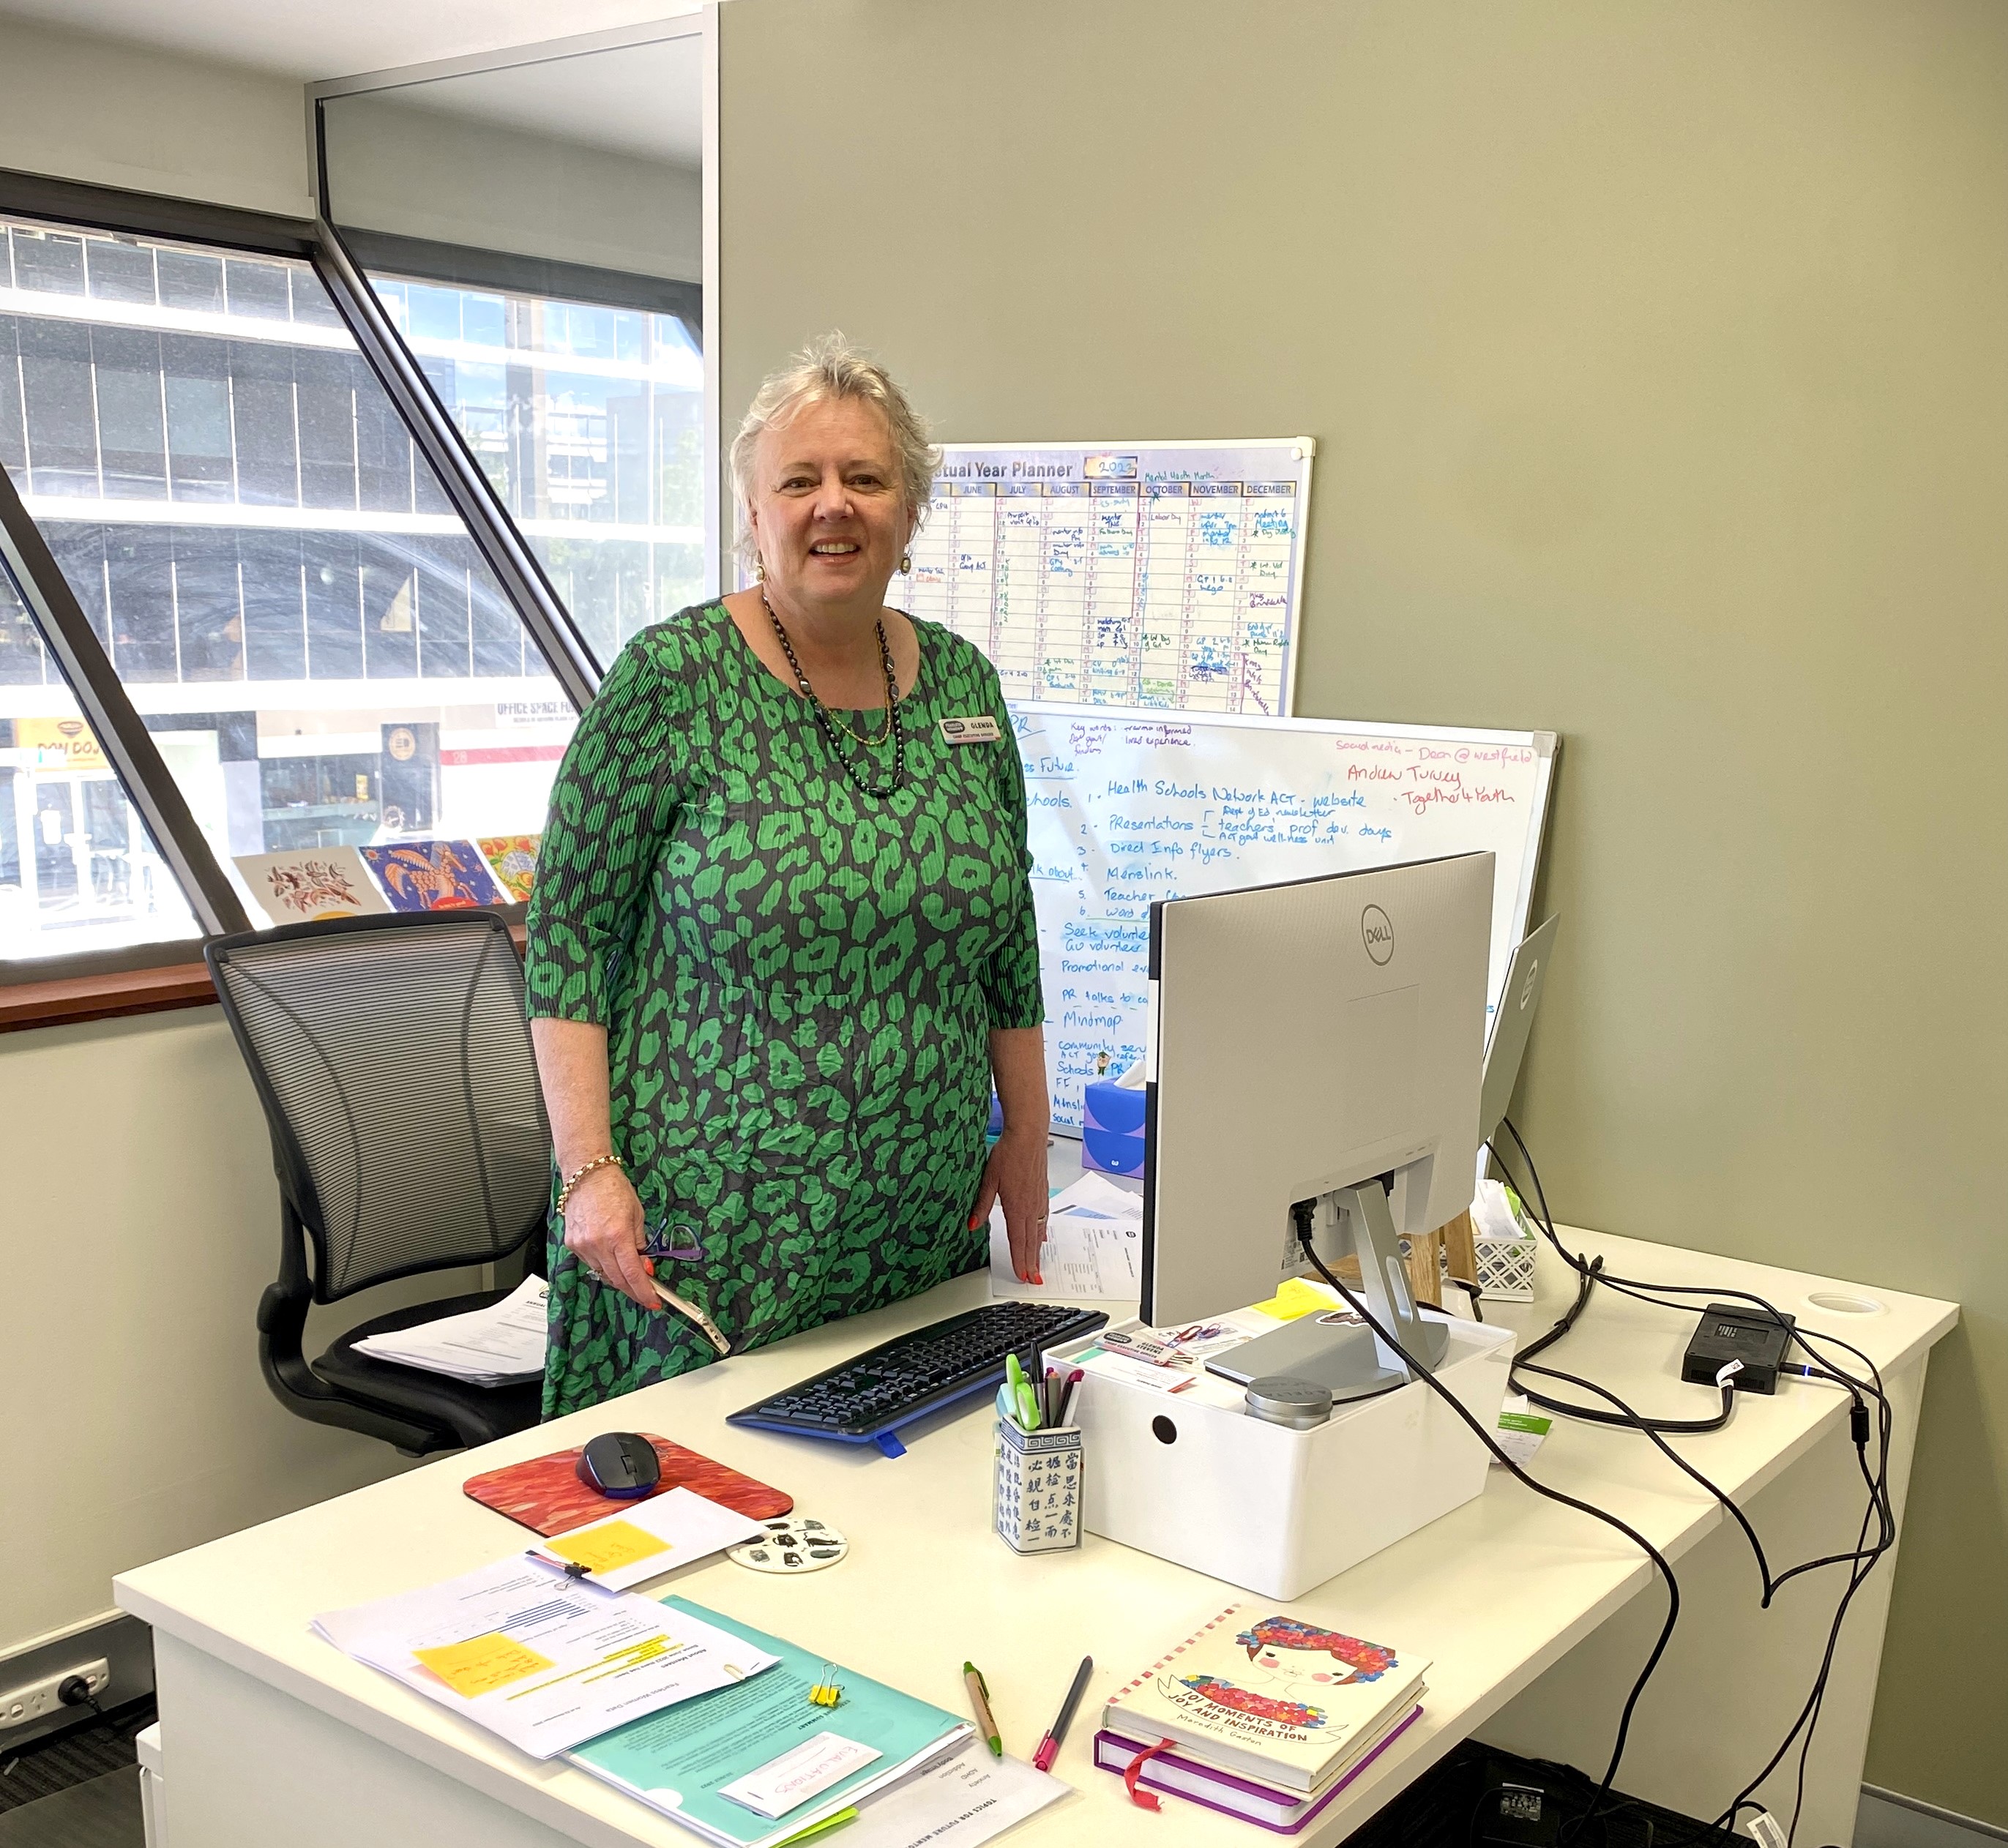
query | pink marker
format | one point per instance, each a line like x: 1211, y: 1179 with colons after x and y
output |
x: 1049, y: 1747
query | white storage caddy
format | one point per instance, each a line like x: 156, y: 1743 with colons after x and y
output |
x: 1277, y: 1510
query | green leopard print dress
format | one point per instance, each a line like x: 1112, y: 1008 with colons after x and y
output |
x: 798, y: 982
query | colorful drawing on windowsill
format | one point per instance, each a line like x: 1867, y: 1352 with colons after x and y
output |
x: 433, y: 875
x: 512, y: 858
x: 310, y: 882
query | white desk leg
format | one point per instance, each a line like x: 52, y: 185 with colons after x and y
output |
x: 251, y: 1767
x: 1734, y: 1676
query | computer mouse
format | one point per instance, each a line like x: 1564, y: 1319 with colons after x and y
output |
x: 621, y: 1464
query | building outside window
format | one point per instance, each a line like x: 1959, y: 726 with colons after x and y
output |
x: 293, y: 606
x: 589, y: 423
x: 77, y: 870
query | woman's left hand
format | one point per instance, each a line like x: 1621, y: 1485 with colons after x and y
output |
x: 1016, y: 1173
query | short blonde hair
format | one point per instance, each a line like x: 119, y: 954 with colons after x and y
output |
x: 827, y: 369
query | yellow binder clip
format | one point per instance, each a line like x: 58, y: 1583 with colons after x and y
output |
x: 826, y: 1693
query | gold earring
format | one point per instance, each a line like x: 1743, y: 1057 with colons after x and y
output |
x: 906, y: 563
x: 759, y: 570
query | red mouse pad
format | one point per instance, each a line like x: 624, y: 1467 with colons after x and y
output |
x: 546, y: 1495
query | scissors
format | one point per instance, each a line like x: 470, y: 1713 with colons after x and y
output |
x: 679, y: 1243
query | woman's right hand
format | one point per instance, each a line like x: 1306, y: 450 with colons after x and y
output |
x: 604, y: 1229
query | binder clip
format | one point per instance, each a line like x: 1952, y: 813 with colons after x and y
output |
x: 826, y: 1693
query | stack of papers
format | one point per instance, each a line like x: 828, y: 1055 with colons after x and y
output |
x: 543, y: 1660
x: 496, y: 1346
x: 1094, y: 1247
x: 726, y: 1766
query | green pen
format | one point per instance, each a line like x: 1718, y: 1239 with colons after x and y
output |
x: 1022, y: 1395
x: 979, y: 1698
x: 816, y: 1829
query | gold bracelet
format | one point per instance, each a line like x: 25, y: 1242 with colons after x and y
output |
x: 579, y: 1173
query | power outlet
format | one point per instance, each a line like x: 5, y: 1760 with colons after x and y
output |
x: 37, y: 1700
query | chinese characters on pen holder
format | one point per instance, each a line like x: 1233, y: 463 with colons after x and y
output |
x: 1036, y: 1490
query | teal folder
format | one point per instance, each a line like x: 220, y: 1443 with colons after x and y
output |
x: 676, y: 1760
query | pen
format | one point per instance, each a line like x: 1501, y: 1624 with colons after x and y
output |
x: 1021, y: 1393
x: 849, y: 1814
x: 1072, y: 1386
x: 1049, y: 1747
x: 979, y: 1698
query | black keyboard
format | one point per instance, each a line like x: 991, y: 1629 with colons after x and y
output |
x: 867, y: 1398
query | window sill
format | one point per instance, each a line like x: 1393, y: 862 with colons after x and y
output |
x: 114, y: 995
x: 24, y: 1004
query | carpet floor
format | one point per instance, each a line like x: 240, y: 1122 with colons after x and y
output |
x: 102, y: 1812
x: 71, y: 1759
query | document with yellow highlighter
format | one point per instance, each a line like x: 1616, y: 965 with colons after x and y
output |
x: 542, y: 1659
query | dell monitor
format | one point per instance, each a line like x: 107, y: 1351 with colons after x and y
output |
x: 1511, y: 1026
x: 1315, y: 1042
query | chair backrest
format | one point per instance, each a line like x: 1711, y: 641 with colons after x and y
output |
x: 394, y: 1061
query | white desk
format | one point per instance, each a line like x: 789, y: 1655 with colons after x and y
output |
x: 1533, y: 1614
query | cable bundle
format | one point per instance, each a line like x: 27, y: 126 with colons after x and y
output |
x: 1591, y: 1273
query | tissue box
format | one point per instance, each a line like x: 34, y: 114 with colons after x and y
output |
x: 1112, y: 1129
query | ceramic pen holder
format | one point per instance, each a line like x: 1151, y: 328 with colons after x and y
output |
x: 1036, y: 1495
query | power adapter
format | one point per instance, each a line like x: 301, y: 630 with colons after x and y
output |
x: 1515, y: 1813
x: 1750, y: 1339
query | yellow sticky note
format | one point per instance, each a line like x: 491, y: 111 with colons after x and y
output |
x: 606, y: 1549
x: 483, y: 1663
x: 1296, y: 1297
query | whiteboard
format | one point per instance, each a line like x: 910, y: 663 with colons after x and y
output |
x: 1125, y: 809
x: 1165, y: 575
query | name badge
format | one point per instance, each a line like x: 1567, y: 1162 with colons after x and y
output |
x: 980, y: 729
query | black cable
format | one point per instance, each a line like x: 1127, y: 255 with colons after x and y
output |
x: 1301, y: 1218
x: 1862, y: 1559
x: 1816, y: 1700
x: 1590, y: 1273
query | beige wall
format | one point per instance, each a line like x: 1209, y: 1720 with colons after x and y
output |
x: 1656, y: 355
x: 425, y: 173
x: 115, y: 115
x: 141, y: 1227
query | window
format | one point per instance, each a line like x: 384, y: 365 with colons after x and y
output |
x: 290, y: 603
x: 77, y: 870
x: 588, y: 422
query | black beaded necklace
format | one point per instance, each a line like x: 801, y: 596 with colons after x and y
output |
x: 830, y: 726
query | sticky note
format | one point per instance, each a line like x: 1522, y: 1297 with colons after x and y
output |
x: 607, y: 1545
x: 483, y: 1663
x: 1296, y: 1297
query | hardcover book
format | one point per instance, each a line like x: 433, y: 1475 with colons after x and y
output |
x: 1280, y: 1698
x: 1285, y: 1812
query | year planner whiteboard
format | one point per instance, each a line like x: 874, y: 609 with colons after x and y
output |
x: 1127, y: 808
x: 1165, y: 575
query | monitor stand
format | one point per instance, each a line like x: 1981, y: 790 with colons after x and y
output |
x: 1334, y: 1351
x: 1363, y: 1210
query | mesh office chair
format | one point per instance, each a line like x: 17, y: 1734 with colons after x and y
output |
x: 393, y: 1062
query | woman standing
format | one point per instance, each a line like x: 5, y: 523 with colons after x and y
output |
x: 782, y: 939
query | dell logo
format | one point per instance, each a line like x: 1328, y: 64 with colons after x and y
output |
x: 1376, y: 931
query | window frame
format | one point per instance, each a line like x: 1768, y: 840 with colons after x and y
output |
x: 89, y: 985
x: 691, y: 19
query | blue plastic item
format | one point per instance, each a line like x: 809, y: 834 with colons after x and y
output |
x: 1112, y: 1129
